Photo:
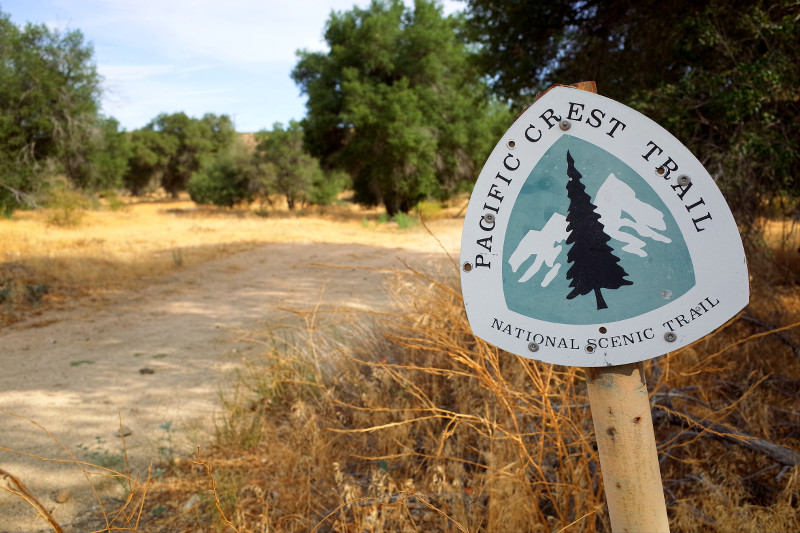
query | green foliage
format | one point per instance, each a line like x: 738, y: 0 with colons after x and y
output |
x: 427, y: 209
x: 49, y: 101
x: 167, y: 449
x: 171, y: 148
x: 528, y: 46
x: 19, y: 184
x: 114, y: 202
x: 721, y: 76
x: 148, y: 160
x: 326, y: 186
x: 108, y: 151
x: 223, y: 181
x: 737, y: 106
x: 396, y: 103
x: 285, y: 168
x: 35, y: 292
x: 404, y: 220
x: 98, y: 453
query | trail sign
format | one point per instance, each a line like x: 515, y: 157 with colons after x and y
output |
x: 593, y: 237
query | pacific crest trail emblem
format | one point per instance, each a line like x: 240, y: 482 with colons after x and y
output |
x: 593, y: 237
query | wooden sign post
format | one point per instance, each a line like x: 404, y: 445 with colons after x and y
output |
x: 594, y: 238
x: 627, y: 447
x: 626, y: 442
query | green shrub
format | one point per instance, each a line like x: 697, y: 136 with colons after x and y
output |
x: 327, y: 187
x: 224, y: 182
x: 404, y: 220
x: 113, y: 200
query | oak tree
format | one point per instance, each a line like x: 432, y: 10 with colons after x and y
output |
x: 721, y: 76
x: 49, y: 107
x: 397, y: 103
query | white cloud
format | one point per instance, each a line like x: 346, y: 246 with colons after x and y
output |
x: 233, y: 31
x: 123, y: 73
x: 197, y: 56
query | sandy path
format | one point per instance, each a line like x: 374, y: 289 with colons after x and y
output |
x: 76, y: 371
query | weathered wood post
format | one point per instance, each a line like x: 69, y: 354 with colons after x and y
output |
x: 593, y: 238
x: 627, y: 447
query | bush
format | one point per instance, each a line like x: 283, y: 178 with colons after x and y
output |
x: 66, y: 205
x: 285, y: 168
x: 404, y: 220
x: 224, y: 182
x: 326, y: 188
x: 427, y: 209
x: 114, y: 202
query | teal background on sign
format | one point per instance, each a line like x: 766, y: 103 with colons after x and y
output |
x: 662, y: 276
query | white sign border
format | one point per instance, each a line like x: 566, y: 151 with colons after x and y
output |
x: 722, y: 284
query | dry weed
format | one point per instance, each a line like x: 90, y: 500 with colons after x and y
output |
x: 113, y: 250
x: 407, y: 422
x: 125, y: 517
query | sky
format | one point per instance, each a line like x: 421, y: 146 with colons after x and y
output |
x: 230, y: 57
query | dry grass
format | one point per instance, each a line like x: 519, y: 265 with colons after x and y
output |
x: 782, y: 240
x: 409, y: 423
x: 43, y: 264
x: 124, y: 515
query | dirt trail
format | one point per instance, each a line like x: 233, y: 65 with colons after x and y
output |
x: 77, y: 371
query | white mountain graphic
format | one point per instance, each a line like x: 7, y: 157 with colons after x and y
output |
x: 645, y: 219
x: 613, y: 201
x: 542, y: 244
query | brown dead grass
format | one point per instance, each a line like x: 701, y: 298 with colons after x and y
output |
x: 43, y: 265
x: 121, y: 515
x: 409, y: 423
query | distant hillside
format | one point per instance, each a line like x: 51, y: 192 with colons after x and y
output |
x: 248, y: 139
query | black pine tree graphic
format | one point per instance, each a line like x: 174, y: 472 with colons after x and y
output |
x: 594, y: 265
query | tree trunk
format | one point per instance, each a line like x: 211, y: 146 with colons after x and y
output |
x: 601, y: 302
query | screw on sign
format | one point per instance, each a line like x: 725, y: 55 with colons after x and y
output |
x: 592, y: 239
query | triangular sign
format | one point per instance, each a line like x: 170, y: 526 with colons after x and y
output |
x: 593, y: 237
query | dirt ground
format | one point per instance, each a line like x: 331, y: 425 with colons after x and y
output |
x: 156, y: 361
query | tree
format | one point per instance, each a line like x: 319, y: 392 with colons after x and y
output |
x: 189, y: 145
x: 49, y: 101
x: 171, y: 148
x: 108, y: 152
x: 624, y: 46
x: 721, y: 76
x: 223, y: 181
x: 149, y: 152
x: 736, y: 105
x: 594, y: 265
x: 288, y: 170
x: 396, y: 103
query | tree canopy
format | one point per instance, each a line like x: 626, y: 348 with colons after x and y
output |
x: 408, y: 101
x: 721, y: 76
x: 49, y: 104
x: 172, y: 147
x: 396, y: 103
x: 285, y: 167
